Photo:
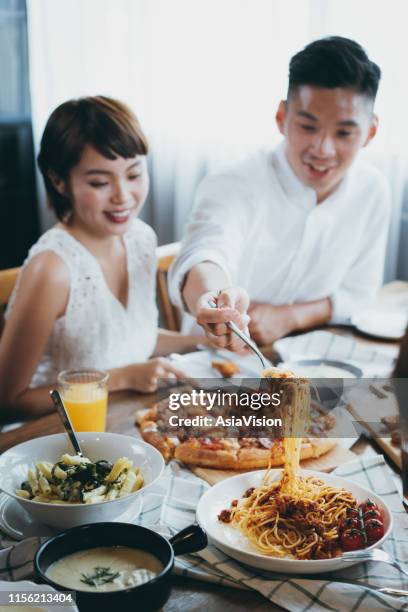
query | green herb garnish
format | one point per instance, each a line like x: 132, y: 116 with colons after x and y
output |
x: 101, y: 575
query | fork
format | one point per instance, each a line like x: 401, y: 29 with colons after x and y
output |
x: 373, y: 555
x: 246, y: 339
x: 385, y: 590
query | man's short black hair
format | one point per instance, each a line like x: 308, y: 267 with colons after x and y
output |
x: 334, y: 62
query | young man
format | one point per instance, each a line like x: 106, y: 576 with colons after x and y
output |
x: 294, y: 237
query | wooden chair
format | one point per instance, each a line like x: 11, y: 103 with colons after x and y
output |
x: 170, y: 315
x: 7, y: 281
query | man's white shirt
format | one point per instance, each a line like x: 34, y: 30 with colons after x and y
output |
x: 264, y: 228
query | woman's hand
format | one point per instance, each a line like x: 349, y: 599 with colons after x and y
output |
x: 148, y: 376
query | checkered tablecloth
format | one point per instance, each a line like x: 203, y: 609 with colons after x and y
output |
x: 374, y: 361
x: 170, y: 505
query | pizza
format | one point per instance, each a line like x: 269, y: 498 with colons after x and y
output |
x: 233, y: 453
x: 244, y: 453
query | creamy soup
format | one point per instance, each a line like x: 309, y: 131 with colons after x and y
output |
x: 109, y: 568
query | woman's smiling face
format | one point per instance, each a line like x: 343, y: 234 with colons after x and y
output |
x: 106, y: 194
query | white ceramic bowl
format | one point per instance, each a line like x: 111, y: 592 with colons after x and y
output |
x: 236, y: 545
x: 15, y: 462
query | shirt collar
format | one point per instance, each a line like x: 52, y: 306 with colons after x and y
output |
x: 302, y: 195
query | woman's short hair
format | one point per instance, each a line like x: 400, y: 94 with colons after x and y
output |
x: 104, y: 123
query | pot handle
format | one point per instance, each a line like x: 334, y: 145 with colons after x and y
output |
x: 188, y: 540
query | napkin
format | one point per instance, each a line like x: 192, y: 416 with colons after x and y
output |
x: 170, y: 505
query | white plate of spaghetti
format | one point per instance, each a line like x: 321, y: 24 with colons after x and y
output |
x: 274, y: 543
x: 291, y: 520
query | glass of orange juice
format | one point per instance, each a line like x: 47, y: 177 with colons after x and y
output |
x: 85, y: 396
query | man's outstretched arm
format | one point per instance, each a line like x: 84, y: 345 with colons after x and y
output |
x: 207, y: 283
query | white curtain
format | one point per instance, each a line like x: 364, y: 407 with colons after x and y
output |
x: 205, y: 77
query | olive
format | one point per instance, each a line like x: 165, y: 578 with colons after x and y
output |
x: 104, y: 467
x: 26, y: 487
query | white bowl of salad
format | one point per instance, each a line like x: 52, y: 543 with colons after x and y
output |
x: 61, y: 489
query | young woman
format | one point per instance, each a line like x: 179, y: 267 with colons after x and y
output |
x: 86, y: 295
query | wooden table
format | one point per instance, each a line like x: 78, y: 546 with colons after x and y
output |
x: 188, y: 595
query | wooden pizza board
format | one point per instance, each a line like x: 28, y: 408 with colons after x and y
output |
x: 325, y: 463
x: 368, y: 409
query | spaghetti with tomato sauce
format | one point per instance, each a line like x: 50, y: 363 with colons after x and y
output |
x: 299, y: 516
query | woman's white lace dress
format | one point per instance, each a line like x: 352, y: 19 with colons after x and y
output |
x: 97, y: 331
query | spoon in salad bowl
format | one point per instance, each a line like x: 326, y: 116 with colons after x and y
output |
x: 66, y: 421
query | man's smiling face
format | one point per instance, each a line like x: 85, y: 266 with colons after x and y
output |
x: 324, y: 131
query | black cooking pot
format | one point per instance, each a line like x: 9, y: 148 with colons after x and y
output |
x: 147, y: 597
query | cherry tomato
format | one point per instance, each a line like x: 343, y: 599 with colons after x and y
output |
x: 368, y: 505
x: 374, y: 530
x: 372, y: 514
x: 352, y: 513
x: 350, y: 523
x: 352, y: 539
